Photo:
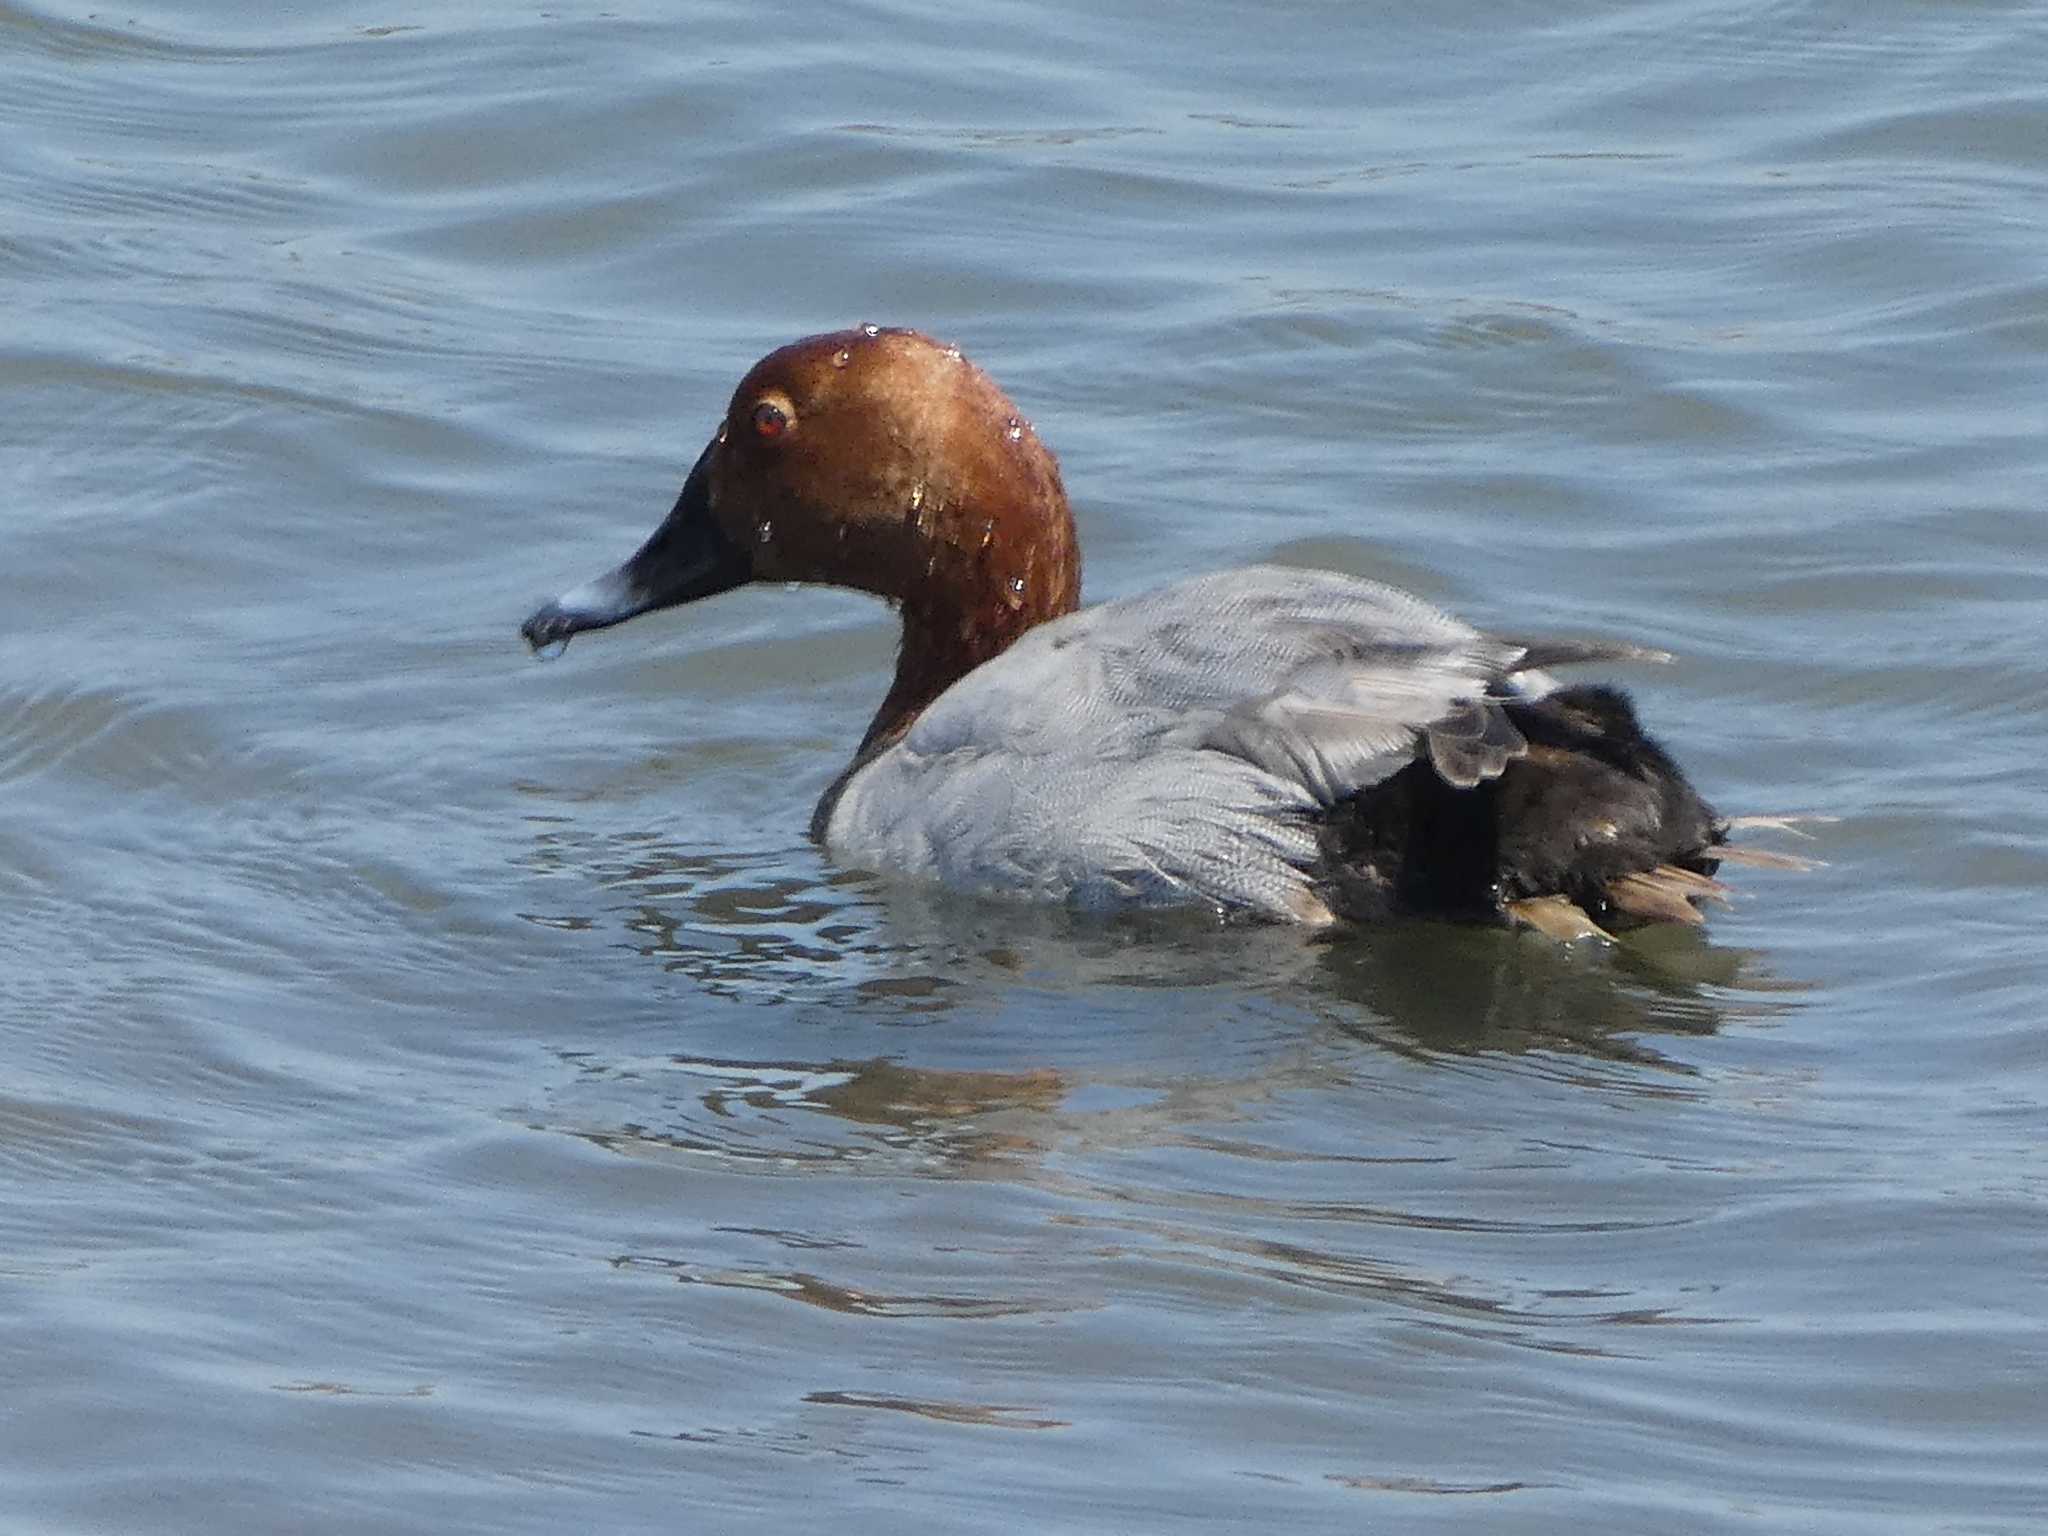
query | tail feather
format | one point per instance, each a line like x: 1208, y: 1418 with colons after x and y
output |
x: 1764, y: 858
x: 1557, y: 917
x: 1650, y: 895
x: 1538, y: 654
x: 1788, y: 822
x: 1692, y: 883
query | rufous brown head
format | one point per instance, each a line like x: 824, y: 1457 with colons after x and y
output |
x: 868, y: 458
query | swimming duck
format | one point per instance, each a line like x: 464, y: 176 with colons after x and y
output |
x: 1290, y: 744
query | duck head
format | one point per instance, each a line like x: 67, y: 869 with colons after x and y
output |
x: 875, y: 459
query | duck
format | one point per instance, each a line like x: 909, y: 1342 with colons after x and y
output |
x: 1275, y: 743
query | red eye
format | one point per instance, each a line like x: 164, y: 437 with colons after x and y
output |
x: 769, y: 420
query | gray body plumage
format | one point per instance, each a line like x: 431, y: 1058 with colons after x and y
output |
x: 1186, y: 745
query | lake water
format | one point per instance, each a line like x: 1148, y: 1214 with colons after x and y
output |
x: 442, y: 1093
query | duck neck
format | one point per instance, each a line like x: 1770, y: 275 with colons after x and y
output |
x: 944, y: 639
x: 941, y: 646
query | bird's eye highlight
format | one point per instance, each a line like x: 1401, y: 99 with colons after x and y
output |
x: 770, y: 420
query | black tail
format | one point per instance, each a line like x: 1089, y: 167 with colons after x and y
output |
x: 1595, y: 814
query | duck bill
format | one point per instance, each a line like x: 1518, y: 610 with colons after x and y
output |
x: 685, y: 559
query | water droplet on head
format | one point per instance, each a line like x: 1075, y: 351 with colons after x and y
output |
x: 1013, y: 429
x: 988, y: 533
x: 721, y: 431
x: 551, y: 650
x: 841, y: 358
x: 916, y: 496
x: 766, y: 532
x: 1014, y: 593
x: 871, y: 330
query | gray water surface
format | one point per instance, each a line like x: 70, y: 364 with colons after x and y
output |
x: 446, y: 1094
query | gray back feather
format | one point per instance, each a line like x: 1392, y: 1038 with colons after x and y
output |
x: 1184, y: 743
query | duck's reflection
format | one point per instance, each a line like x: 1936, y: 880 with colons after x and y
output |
x: 793, y: 1116
x: 1437, y: 988
x: 782, y: 928
x: 1101, y: 1033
